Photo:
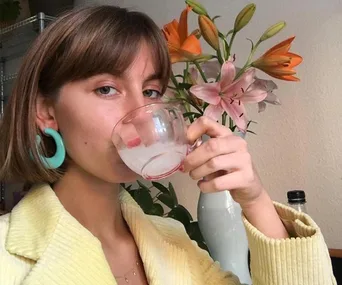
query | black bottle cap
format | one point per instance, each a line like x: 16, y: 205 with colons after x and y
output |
x: 296, y: 196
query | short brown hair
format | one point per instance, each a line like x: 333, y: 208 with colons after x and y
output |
x: 79, y: 44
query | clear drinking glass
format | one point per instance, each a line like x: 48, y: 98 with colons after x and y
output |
x: 151, y: 140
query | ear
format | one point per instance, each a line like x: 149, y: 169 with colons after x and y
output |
x: 45, y: 114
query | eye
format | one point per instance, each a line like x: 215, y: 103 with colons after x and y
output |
x: 106, y: 91
x: 153, y: 94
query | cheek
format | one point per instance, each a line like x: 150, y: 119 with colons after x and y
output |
x: 86, y: 126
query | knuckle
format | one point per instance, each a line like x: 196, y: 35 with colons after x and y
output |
x: 212, y: 145
x: 192, y: 175
x: 213, y: 163
x: 216, y: 184
x: 204, y: 120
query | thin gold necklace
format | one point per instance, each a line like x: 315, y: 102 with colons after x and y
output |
x: 128, y: 273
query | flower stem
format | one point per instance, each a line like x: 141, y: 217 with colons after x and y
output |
x: 174, y: 80
x: 231, y: 123
x: 248, y: 62
x: 200, y: 71
x: 186, y: 72
x: 224, y: 118
x: 193, y: 105
x: 231, y: 43
x: 219, y: 57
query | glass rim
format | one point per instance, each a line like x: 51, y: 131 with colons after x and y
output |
x: 144, y: 107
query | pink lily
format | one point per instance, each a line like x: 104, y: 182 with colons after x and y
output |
x: 211, y: 70
x: 230, y: 95
x: 271, y: 98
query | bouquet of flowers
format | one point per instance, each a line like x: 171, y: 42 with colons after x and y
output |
x: 210, y: 83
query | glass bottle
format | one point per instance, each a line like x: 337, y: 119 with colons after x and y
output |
x: 297, y: 200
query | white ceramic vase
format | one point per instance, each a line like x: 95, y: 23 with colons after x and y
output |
x: 220, y: 222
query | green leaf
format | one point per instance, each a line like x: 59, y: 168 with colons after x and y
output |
x: 226, y: 49
x: 166, y: 199
x: 179, y: 75
x: 248, y: 131
x: 144, y: 187
x: 127, y: 188
x: 190, y: 114
x: 229, y: 33
x: 252, y: 44
x: 157, y: 210
x: 181, y: 214
x: 222, y: 36
x: 195, y: 234
x: 173, y: 193
x: 186, y: 86
x: 216, y: 17
x: 144, y: 199
x: 160, y: 187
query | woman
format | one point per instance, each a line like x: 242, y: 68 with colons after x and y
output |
x: 83, y: 73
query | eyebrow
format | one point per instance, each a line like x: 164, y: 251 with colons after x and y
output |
x: 153, y: 76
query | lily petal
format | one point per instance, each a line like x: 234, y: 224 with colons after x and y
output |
x: 273, y: 99
x: 211, y: 69
x: 192, y: 45
x: 214, y: 112
x: 208, y: 92
x: 227, y: 74
x: 281, y: 48
x: 183, y: 24
x: 237, y: 113
x: 240, y: 85
x: 195, y: 79
x: 295, y: 59
x: 253, y: 96
x: 268, y: 85
x: 261, y: 106
x: 171, y: 33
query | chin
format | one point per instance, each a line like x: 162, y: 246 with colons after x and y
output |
x: 126, y: 175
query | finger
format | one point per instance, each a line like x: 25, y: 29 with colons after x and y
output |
x: 228, y: 163
x: 230, y: 181
x: 205, y: 125
x: 212, y: 148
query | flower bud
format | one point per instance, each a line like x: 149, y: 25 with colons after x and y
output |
x: 209, y: 31
x: 273, y: 30
x: 197, y: 7
x: 244, y: 17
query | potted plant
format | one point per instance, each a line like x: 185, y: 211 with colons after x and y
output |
x: 9, y: 12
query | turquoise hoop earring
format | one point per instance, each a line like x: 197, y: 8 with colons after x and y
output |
x: 57, y: 160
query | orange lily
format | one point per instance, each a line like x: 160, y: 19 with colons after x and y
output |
x: 278, y: 62
x: 182, y: 47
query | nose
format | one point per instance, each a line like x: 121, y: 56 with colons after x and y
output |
x: 137, y: 126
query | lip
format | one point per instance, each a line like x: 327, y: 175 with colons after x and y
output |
x: 134, y: 142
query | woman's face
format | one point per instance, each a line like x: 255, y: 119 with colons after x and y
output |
x: 87, y: 110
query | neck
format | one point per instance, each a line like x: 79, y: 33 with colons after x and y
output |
x: 94, y: 203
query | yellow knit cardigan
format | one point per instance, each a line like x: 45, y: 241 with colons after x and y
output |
x: 41, y: 243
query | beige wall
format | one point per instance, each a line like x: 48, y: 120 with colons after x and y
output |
x: 299, y: 144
